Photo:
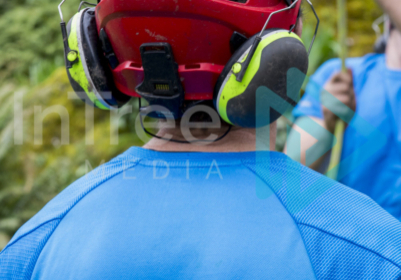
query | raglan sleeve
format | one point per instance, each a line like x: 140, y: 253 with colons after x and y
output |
x: 310, y: 104
x: 18, y: 258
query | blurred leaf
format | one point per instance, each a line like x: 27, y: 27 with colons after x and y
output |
x: 4, y: 238
x: 9, y: 224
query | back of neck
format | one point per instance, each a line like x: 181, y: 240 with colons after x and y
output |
x: 238, y: 140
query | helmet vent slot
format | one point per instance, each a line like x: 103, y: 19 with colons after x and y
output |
x: 193, y: 66
x: 135, y: 65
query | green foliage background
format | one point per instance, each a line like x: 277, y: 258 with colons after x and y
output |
x: 31, y: 63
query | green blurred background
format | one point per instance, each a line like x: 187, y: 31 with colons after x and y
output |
x: 31, y: 63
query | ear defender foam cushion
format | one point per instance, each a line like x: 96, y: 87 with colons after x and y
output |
x: 96, y: 62
x: 91, y: 76
x: 271, y: 83
x: 77, y: 71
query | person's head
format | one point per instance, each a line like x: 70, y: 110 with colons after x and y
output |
x: 178, y: 56
x: 246, y: 136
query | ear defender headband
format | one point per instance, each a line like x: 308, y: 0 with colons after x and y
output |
x: 263, y: 62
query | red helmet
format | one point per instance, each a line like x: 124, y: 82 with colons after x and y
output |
x: 199, y: 32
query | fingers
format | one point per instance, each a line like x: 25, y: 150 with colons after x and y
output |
x: 341, y: 86
x: 348, y: 100
x: 343, y: 77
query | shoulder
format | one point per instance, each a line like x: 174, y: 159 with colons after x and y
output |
x: 362, y: 65
x: 344, y: 231
x: 20, y: 255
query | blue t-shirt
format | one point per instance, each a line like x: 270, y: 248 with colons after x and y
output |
x: 378, y: 98
x: 157, y: 215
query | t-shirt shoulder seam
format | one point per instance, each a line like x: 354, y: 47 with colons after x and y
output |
x: 295, y: 222
x: 57, y: 218
x: 111, y: 177
x: 351, y: 242
x: 29, y: 232
x: 62, y: 217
